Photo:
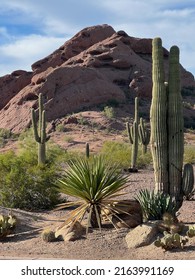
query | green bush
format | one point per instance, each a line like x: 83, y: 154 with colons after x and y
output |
x: 5, y: 135
x: 109, y: 112
x: 189, y: 154
x: 25, y: 185
x: 120, y: 153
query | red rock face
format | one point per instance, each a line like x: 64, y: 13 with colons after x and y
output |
x: 95, y: 66
x: 10, y: 85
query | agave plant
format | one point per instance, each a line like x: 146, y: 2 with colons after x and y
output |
x: 96, y: 184
x: 155, y: 204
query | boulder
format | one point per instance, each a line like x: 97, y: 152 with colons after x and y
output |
x: 142, y: 235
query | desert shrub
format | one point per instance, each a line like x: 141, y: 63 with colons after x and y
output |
x: 60, y: 127
x: 154, y: 205
x: 5, y: 135
x: 25, y: 185
x: 117, y: 152
x: 189, y: 154
x: 120, y: 153
x: 109, y: 112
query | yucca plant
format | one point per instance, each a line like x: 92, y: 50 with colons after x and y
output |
x: 155, y: 204
x: 96, y: 184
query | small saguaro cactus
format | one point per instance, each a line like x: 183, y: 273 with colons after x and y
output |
x: 133, y: 137
x: 40, y: 131
x: 87, y: 150
x: 144, y: 135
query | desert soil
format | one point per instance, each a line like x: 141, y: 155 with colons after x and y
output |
x: 26, y: 242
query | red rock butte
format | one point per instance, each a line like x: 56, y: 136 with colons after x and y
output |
x: 96, y: 65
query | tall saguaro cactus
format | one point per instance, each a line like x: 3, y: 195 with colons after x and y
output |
x: 167, y: 128
x: 133, y: 136
x: 175, y: 125
x: 40, y: 131
x: 158, y: 117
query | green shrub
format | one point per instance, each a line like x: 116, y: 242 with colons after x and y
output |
x: 109, y: 112
x: 120, y: 153
x: 189, y: 154
x: 25, y: 185
x: 5, y: 135
x: 117, y: 152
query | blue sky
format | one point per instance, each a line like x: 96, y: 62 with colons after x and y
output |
x: 32, y: 29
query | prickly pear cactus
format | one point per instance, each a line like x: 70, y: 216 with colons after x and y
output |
x: 7, y: 225
x: 170, y: 224
x: 191, y: 231
x: 171, y: 241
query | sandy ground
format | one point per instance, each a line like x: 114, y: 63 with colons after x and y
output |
x: 26, y: 242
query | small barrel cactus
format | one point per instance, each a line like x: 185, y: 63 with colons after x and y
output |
x: 48, y: 235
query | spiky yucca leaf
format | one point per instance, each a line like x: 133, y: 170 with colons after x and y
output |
x: 95, y: 183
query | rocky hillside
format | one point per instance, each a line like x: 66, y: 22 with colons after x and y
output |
x: 97, y: 65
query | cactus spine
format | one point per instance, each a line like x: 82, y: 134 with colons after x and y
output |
x: 167, y: 128
x: 144, y: 135
x: 133, y: 136
x: 40, y: 131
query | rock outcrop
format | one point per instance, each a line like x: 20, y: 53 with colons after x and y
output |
x: 95, y: 66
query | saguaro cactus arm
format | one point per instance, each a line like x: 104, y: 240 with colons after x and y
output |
x: 144, y: 135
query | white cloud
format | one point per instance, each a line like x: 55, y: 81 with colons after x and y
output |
x: 172, y: 20
x: 22, y: 53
